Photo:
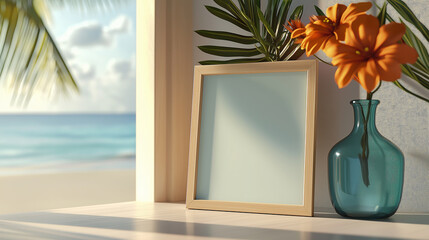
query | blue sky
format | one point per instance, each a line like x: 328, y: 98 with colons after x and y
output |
x: 99, y: 48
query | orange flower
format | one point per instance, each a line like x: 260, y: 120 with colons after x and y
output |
x: 297, y: 28
x: 323, y: 31
x: 370, y: 53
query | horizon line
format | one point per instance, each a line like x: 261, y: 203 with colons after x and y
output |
x: 63, y: 113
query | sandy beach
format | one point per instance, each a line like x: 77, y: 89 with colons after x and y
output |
x: 24, y: 193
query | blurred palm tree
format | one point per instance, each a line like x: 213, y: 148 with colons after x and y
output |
x: 29, y: 57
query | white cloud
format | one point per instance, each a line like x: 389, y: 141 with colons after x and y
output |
x: 82, y: 72
x: 66, y: 52
x: 92, y: 33
x: 121, y: 24
x: 86, y: 34
x: 118, y: 83
x: 111, y: 91
x: 120, y: 67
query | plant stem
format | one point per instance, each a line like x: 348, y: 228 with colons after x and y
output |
x: 376, y: 89
x: 364, y: 141
x: 323, y: 60
x: 277, y: 54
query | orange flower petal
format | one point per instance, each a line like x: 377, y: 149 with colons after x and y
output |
x: 363, y: 32
x: 294, y: 24
x: 335, y: 12
x: 368, y: 76
x: 371, y: 67
x: 298, y: 33
x: 400, y: 52
x: 319, y: 27
x: 317, y: 37
x: 298, y: 23
x: 314, y: 18
x: 344, y: 58
x: 314, y: 44
x: 345, y: 73
x: 340, y: 30
x: 288, y: 28
x: 389, y: 69
x: 341, y: 53
x: 329, y: 42
x: 354, y: 10
x: 389, y: 34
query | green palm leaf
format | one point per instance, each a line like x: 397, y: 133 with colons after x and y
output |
x: 319, y: 11
x: 227, y: 36
x: 232, y: 8
x: 283, y: 11
x: 29, y: 58
x: 229, y: 51
x: 227, y: 17
x: 405, y: 12
x: 418, y: 71
x: 297, y: 12
x: 411, y: 39
x: 399, y: 85
x: 265, y: 22
x: 265, y: 30
x: 382, y: 15
x: 274, y: 16
x: 239, y: 60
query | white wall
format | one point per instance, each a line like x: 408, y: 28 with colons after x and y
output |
x: 401, y: 118
x: 404, y: 120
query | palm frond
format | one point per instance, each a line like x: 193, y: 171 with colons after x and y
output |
x: 382, y: 14
x: 319, y: 11
x: 29, y: 57
x: 402, y: 8
x: 238, y: 60
x: 265, y: 30
x: 229, y: 51
x: 227, y: 36
x: 419, y: 71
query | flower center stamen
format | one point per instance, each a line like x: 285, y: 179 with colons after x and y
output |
x: 366, y: 49
x: 357, y: 52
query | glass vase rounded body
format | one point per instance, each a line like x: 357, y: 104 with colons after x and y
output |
x: 366, y: 170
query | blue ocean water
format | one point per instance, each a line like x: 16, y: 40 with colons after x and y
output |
x: 69, y: 141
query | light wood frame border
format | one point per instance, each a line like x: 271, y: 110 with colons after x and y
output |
x: 311, y: 67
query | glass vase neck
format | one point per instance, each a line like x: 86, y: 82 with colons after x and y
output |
x: 364, y: 112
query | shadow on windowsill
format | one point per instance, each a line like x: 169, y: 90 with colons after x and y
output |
x: 172, y: 228
x: 412, y: 218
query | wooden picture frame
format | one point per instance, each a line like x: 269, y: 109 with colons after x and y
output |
x: 252, y: 135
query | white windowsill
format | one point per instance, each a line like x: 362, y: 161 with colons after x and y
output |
x: 138, y: 220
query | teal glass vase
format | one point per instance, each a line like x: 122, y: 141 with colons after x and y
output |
x: 366, y: 170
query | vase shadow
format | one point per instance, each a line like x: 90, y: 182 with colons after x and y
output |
x: 412, y: 218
